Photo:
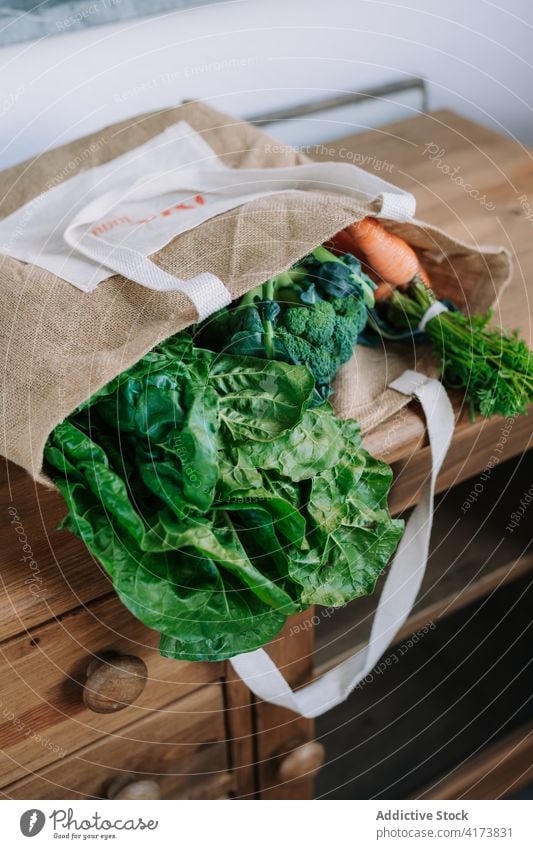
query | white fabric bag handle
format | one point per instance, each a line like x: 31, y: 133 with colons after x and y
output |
x: 247, y: 183
x: 399, y: 593
x: 126, y: 252
x: 206, y: 291
x: 144, y: 198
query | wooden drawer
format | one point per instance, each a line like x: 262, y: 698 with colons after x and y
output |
x: 284, y: 769
x: 42, y: 713
x: 179, y: 752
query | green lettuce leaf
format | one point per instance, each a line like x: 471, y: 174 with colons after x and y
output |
x: 220, y: 499
x: 260, y: 399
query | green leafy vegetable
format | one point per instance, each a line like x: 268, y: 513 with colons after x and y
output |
x: 220, y: 497
x: 310, y: 315
x: 493, y: 367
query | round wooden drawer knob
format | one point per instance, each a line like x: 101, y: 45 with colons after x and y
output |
x: 303, y: 762
x: 143, y: 788
x: 114, y: 683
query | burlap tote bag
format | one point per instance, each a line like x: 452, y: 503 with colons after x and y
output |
x: 81, y: 301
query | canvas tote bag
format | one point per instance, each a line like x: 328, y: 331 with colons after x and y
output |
x: 112, y: 243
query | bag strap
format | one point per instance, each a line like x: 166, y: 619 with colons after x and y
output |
x: 399, y: 593
x: 231, y: 187
x: 206, y: 291
x: 388, y: 200
x: 397, y: 206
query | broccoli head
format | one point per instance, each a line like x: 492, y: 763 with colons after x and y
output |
x: 321, y: 336
x: 352, y: 310
x: 320, y: 323
x: 351, y: 316
x: 299, y: 317
x: 345, y: 338
x: 295, y: 320
x: 319, y: 360
x: 316, y: 323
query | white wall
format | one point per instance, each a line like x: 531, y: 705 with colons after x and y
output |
x: 248, y: 56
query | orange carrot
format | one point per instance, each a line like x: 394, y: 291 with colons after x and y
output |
x: 341, y: 243
x: 389, y: 255
x: 383, y: 292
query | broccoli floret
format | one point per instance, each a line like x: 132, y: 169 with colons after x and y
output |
x: 295, y: 320
x: 321, y: 323
x: 350, y: 320
x: 323, y: 365
x: 298, y: 318
x: 297, y: 347
x: 316, y: 323
x: 323, y: 335
x: 319, y: 360
x: 345, y: 337
x: 353, y: 310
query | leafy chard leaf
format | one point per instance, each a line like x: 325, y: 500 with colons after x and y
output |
x: 346, y: 564
x: 312, y: 445
x: 220, y: 496
x: 158, y: 410
x: 237, y: 473
x: 354, y: 536
x: 195, y: 446
x: 219, y: 643
x: 258, y: 399
x: 77, y: 446
x: 352, y: 493
x: 287, y: 520
x: 55, y: 457
x: 374, y: 484
x: 179, y: 593
x: 220, y: 543
x: 261, y: 539
x: 112, y: 492
x: 83, y: 508
x: 164, y: 479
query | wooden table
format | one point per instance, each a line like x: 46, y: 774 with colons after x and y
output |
x: 499, y: 169
x: 252, y: 744
x: 502, y: 170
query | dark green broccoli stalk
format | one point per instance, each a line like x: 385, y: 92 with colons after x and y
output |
x: 268, y: 320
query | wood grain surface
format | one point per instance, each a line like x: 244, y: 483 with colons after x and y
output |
x: 57, y: 610
x: 180, y: 748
